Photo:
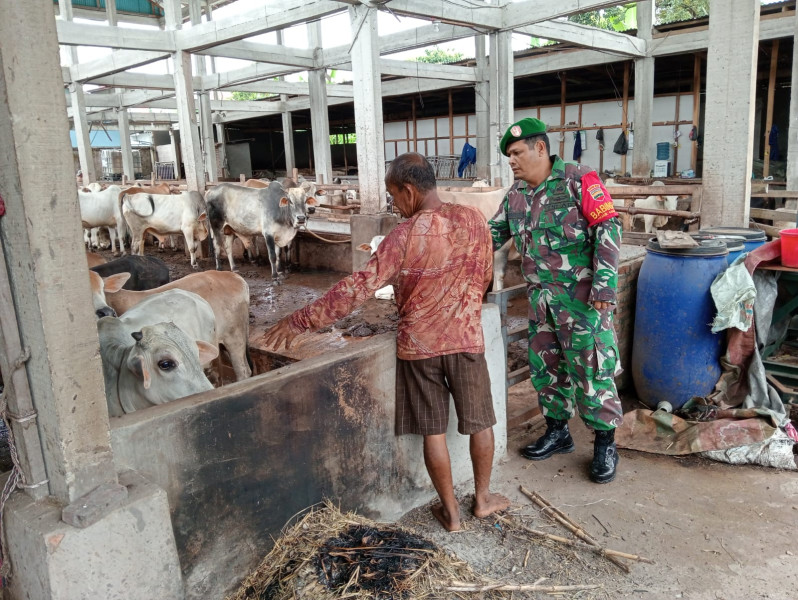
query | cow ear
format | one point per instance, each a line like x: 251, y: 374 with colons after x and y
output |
x: 114, y: 283
x: 207, y: 352
x: 311, y: 201
x: 284, y: 202
x: 203, y: 217
x: 139, y: 369
x: 364, y: 247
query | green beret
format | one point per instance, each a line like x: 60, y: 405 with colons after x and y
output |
x: 521, y: 130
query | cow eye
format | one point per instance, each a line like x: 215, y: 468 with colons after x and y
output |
x: 167, y: 364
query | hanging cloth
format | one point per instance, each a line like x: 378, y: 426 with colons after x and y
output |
x: 468, y: 157
x: 577, y: 145
x: 621, y: 144
x: 773, y: 140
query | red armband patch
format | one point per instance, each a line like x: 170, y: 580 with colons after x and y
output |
x: 597, y: 203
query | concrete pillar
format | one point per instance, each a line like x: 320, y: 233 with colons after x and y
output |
x: 222, y: 158
x: 792, y: 139
x: 642, y: 154
x: 186, y: 112
x: 368, y: 110
x: 123, y: 119
x: 175, y: 153
x: 79, y: 108
x: 46, y: 265
x: 110, y: 12
x: 319, y: 116
x: 482, y: 92
x: 502, y: 99
x: 206, y: 116
x: 729, y: 123
x: 288, y: 128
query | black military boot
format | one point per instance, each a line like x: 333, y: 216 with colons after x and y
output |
x: 605, y: 457
x: 557, y: 439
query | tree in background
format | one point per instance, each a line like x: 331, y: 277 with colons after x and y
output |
x: 669, y: 11
x: 439, y: 56
x: 616, y: 18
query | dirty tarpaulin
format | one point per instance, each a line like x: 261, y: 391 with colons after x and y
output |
x: 743, y: 420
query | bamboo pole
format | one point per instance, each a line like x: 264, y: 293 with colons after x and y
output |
x: 557, y: 515
x: 578, y: 545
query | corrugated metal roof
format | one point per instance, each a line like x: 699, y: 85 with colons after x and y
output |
x: 137, y: 7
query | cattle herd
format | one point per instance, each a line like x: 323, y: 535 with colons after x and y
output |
x: 162, y: 340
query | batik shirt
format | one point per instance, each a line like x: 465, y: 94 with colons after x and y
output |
x: 568, y: 235
x: 440, y: 263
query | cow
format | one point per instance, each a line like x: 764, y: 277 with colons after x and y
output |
x: 161, y: 188
x: 650, y: 222
x: 146, y: 365
x: 130, y: 388
x: 164, y: 214
x: 227, y: 294
x: 146, y: 272
x: 384, y: 293
x: 97, y: 238
x: 93, y: 259
x: 256, y: 183
x: 273, y: 212
x: 101, y: 209
x: 488, y: 204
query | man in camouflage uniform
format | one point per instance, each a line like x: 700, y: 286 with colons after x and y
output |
x: 563, y: 223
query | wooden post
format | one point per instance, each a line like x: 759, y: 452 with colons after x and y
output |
x: 625, y: 110
x: 696, y: 109
x: 242, y: 178
x: 774, y: 59
x: 451, y: 124
x: 295, y: 175
x: 676, y: 147
x: 562, y: 111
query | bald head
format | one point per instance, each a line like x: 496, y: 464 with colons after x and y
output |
x: 413, y: 169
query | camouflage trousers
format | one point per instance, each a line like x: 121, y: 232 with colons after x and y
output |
x: 573, y: 360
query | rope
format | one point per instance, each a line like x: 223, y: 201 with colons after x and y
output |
x: 346, y: 241
x: 17, y: 477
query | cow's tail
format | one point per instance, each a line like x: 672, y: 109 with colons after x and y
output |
x: 123, y: 199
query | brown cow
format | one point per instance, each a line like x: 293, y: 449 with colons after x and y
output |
x: 256, y: 183
x: 94, y: 259
x: 226, y: 292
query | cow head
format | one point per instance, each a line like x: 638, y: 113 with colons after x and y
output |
x: 301, y: 201
x: 99, y: 286
x: 164, y: 364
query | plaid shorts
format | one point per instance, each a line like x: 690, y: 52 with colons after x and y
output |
x: 423, y: 388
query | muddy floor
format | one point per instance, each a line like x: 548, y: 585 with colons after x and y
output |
x: 714, y: 531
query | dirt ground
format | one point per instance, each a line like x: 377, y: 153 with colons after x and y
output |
x: 714, y: 531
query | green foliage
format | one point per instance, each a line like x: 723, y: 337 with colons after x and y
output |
x: 248, y: 96
x: 669, y: 11
x: 342, y: 138
x: 439, y: 56
x: 616, y: 18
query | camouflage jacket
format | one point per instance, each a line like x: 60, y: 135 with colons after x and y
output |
x: 568, y: 235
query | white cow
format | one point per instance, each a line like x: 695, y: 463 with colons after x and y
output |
x: 226, y: 293
x: 101, y: 209
x: 166, y: 214
x: 384, y: 293
x: 651, y: 222
x: 162, y: 365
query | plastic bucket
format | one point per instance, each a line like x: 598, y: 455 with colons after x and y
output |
x: 789, y: 247
x: 663, y: 151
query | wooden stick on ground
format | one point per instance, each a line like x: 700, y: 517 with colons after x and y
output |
x: 557, y: 515
x: 463, y: 586
x: 565, y: 541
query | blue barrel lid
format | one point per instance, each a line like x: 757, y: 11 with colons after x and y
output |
x: 704, y: 248
x: 750, y: 235
x: 735, y: 243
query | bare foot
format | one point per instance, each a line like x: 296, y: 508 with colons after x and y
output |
x: 490, y: 504
x: 450, y: 523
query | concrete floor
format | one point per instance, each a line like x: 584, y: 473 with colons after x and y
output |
x: 714, y: 530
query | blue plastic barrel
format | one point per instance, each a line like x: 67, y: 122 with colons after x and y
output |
x: 753, y: 237
x: 663, y: 151
x: 675, y: 355
x: 734, y: 243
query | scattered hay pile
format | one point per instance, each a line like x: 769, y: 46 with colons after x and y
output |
x: 329, y: 555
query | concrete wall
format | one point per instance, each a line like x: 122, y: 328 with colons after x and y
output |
x: 315, y: 254
x: 238, y: 462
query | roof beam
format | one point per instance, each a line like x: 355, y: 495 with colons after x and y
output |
x: 271, y: 17
x: 467, y: 13
x: 100, y: 15
x: 267, y: 53
x: 589, y: 37
x: 119, y: 60
x: 409, y: 68
x: 334, y: 90
x: 87, y: 34
x: 139, y: 80
x: 520, y: 14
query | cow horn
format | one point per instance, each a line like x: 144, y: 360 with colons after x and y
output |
x: 137, y: 336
